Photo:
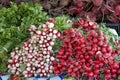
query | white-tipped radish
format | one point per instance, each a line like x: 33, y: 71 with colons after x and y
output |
x: 35, y: 52
x: 50, y: 25
x: 48, y: 38
x: 45, y: 41
x: 28, y: 64
x: 26, y: 75
x: 51, y: 43
x: 47, y: 59
x: 17, y: 64
x: 55, y: 31
x: 43, y: 25
x: 52, y: 58
x: 51, y: 34
x: 51, y: 30
x: 43, y: 71
x: 49, y: 48
x: 26, y: 48
x: 28, y: 68
x: 38, y: 32
x: 43, y: 33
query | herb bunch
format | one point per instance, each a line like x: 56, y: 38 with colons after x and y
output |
x: 14, y: 25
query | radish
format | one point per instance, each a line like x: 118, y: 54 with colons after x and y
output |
x: 35, y: 52
x: 86, y: 53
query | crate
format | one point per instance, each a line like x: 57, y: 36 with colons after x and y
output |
x: 114, y: 26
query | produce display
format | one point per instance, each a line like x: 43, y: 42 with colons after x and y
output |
x: 37, y: 46
x: 86, y: 52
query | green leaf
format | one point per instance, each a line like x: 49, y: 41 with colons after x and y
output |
x: 67, y: 26
x: 61, y: 23
x: 83, y: 78
x: 9, y: 78
x: 111, y: 34
x: 22, y: 67
x: 57, y: 45
x: 6, y: 47
x: 101, y: 76
x: 24, y: 78
x: 118, y: 77
x: 117, y: 48
x: 74, y: 79
x: 69, y: 78
x: 118, y: 58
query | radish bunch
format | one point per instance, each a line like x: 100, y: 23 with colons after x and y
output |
x: 35, y: 57
x: 96, y: 9
x: 86, y: 51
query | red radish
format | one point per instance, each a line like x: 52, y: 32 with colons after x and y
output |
x: 88, y: 69
x: 73, y: 74
x: 90, y: 74
x: 81, y: 22
x: 117, y: 42
x: 76, y: 24
x: 100, y: 38
x: 95, y: 26
x: 96, y: 71
x: 108, y: 76
x: 118, y: 72
x: 116, y: 65
x: 109, y: 48
x: 114, y: 75
x: 107, y: 71
x: 52, y: 20
x: 114, y: 71
x: 100, y: 43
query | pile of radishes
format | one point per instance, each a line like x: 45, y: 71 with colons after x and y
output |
x: 86, y: 52
x: 35, y: 57
x: 96, y: 9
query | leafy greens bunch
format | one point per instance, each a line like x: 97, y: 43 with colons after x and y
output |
x: 14, y: 24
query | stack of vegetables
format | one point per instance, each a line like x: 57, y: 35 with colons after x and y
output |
x: 36, y: 55
x: 33, y: 45
x: 88, y: 52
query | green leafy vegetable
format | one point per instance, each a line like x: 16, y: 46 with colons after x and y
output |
x: 61, y: 23
x: 112, y: 35
x: 118, y: 77
x: 102, y: 76
x: 69, y: 78
x: 118, y: 58
x: 22, y: 67
x: 57, y: 45
x: 14, y: 25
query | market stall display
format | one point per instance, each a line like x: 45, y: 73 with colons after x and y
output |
x: 35, y: 45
